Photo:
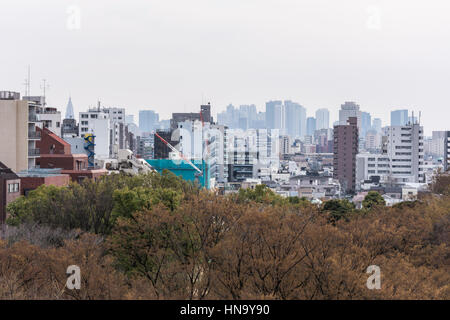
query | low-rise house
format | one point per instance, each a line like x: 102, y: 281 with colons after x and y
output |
x: 9, y: 190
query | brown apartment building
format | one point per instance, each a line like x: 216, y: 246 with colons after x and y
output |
x: 345, y: 150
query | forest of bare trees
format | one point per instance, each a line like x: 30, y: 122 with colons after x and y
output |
x: 157, y: 237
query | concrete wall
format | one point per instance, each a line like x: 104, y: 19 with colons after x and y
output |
x: 14, y: 134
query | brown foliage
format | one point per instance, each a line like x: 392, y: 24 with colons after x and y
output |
x: 213, y: 247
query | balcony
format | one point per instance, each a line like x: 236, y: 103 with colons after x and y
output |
x: 34, y: 152
x: 32, y: 118
x: 34, y: 135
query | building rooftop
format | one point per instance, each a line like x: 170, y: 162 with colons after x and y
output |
x: 7, y: 173
x: 39, y: 173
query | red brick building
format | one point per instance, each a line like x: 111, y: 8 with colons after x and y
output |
x: 9, y: 190
x: 33, y: 178
x: 56, y: 153
x: 344, y: 151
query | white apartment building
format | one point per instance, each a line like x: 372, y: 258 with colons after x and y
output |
x: 117, y: 121
x: 370, y: 165
x: 97, y: 123
x: 405, y: 149
x: 190, y: 137
x: 51, y: 119
x: 285, y: 145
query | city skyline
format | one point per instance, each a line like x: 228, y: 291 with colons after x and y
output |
x: 173, y: 56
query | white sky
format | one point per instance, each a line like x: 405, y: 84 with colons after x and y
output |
x: 169, y: 55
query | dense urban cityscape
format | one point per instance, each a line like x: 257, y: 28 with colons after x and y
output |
x: 292, y: 154
x: 224, y: 159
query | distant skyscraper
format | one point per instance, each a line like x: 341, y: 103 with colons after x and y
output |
x: 376, y: 125
x: 294, y: 119
x: 366, y: 123
x: 322, y: 119
x: 69, y: 110
x: 273, y: 114
x: 311, y: 124
x: 148, y: 120
x: 399, y: 117
x: 350, y: 109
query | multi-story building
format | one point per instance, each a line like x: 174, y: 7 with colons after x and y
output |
x: 373, y: 141
x: 311, y: 124
x: 294, y: 119
x: 285, y: 145
x: 69, y: 110
x: 69, y: 129
x: 56, y: 153
x: 148, y: 120
x: 437, y: 146
x: 9, y: 190
x: 350, y: 109
x: 274, y: 114
x: 366, y: 123
x: 399, y: 117
x: 322, y: 119
x: 189, y: 135
x: 255, y: 149
x: 145, y: 145
x: 97, y: 123
x: 204, y: 116
x: 119, y: 132
x: 447, y: 151
x: 371, y: 166
x: 161, y: 150
x: 345, y: 150
x: 215, y: 152
x: 376, y: 125
x: 50, y: 119
x: 404, y: 146
x: 18, y: 120
x: 132, y: 127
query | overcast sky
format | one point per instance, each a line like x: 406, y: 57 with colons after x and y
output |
x: 172, y: 55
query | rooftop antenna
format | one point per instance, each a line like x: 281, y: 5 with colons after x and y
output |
x: 27, y: 82
x: 420, y: 115
x: 44, y: 87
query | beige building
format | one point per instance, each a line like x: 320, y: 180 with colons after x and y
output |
x: 18, y: 131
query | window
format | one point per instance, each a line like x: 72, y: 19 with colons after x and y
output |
x: 13, y: 187
x: 84, y: 116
